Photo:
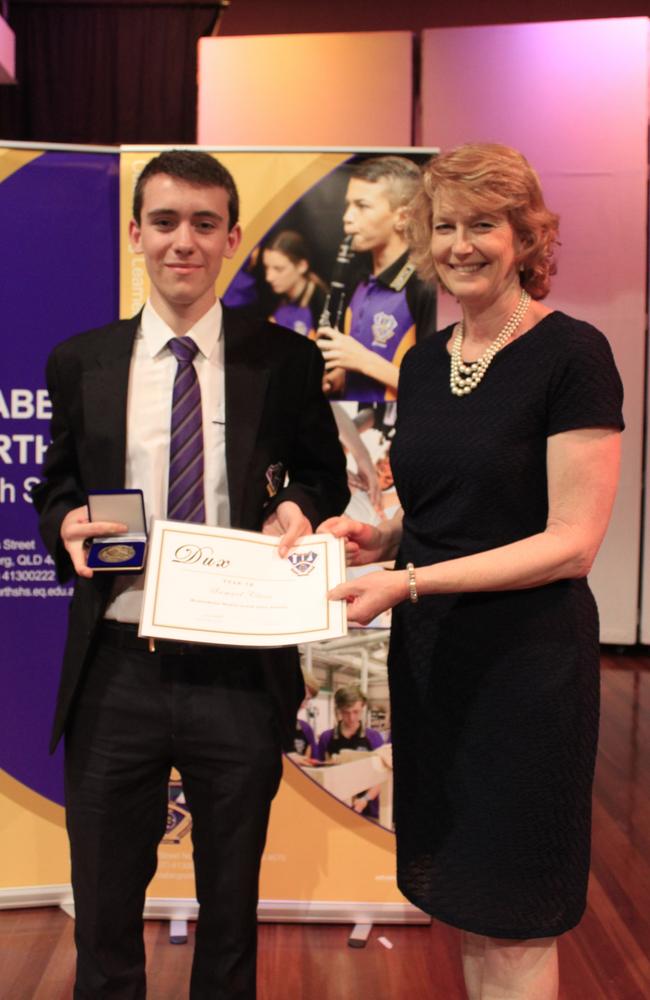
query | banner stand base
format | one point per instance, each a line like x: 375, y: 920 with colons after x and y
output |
x: 28, y: 897
x: 268, y: 911
x: 300, y: 912
x: 289, y: 911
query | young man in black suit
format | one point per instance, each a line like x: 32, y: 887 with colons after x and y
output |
x: 221, y: 715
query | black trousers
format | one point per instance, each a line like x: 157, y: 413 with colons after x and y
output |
x: 139, y: 714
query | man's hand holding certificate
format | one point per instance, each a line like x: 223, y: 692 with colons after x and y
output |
x: 228, y: 587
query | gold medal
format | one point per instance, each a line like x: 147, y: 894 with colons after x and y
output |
x: 116, y: 553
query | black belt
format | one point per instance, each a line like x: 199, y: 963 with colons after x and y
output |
x: 123, y: 635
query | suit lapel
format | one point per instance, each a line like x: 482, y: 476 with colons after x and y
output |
x: 246, y: 379
x: 105, y: 389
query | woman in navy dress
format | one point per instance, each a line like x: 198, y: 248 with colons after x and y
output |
x: 505, y: 459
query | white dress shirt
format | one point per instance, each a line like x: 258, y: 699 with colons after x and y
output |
x: 148, y: 419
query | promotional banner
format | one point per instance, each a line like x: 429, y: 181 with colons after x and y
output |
x: 60, y: 268
x: 67, y: 221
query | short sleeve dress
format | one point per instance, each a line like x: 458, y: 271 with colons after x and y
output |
x: 495, y: 696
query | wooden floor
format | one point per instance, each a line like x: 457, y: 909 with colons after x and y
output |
x: 606, y: 958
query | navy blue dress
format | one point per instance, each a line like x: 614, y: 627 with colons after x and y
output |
x: 495, y: 696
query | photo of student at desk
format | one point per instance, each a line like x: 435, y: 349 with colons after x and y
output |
x: 353, y: 762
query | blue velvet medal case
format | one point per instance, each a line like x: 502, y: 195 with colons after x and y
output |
x: 123, y: 553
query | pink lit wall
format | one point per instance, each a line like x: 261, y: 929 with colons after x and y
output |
x: 573, y: 97
x: 306, y: 90
x: 7, y: 53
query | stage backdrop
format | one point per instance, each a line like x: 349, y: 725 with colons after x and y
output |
x: 353, y: 89
x: 573, y: 97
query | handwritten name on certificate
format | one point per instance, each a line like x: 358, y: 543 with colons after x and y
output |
x: 228, y: 587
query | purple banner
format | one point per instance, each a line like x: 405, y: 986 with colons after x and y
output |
x: 59, y: 276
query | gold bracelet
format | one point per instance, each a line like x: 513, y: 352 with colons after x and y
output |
x: 413, y: 590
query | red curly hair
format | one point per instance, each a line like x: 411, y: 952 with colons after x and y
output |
x: 488, y: 177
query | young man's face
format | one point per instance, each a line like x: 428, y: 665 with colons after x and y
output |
x: 368, y: 215
x: 351, y: 715
x: 184, y: 236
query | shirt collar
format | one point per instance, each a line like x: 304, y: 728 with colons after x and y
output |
x: 205, y: 333
x: 390, y: 273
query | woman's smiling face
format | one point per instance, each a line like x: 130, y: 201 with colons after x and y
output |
x: 475, y: 253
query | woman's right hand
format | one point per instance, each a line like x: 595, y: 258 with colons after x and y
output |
x: 364, y: 543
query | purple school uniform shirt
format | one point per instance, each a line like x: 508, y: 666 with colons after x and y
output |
x: 387, y: 313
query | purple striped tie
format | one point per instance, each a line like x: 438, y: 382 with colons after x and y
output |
x: 185, y: 500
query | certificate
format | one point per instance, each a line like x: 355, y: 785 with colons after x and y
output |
x: 228, y: 587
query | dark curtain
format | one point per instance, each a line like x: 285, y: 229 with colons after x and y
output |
x: 104, y: 73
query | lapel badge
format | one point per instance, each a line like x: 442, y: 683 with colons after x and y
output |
x: 302, y: 563
x: 274, y: 478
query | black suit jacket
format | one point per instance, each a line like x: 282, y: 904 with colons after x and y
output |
x: 275, y: 412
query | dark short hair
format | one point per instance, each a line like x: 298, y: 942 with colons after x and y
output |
x: 194, y: 167
x: 401, y: 176
x: 349, y: 695
x: 291, y: 244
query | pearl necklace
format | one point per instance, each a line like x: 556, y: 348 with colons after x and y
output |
x: 465, y: 377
